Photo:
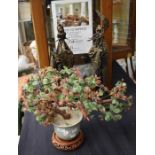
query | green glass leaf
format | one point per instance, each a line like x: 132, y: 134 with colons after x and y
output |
x: 71, y: 81
x: 108, y: 116
x: 117, y: 117
x: 70, y: 98
x: 30, y: 96
x: 35, y: 83
x: 35, y: 77
x: 77, y: 89
x: 86, y: 104
x: 61, y: 96
x: 93, y: 106
x: 115, y: 102
x: 45, y: 81
x: 82, y: 98
x: 30, y: 89
x: 66, y: 71
x: 101, y: 92
x: 73, y: 76
x: 115, y: 109
x: 91, y: 82
x: 31, y: 109
x: 49, y: 74
x: 101, y: 108
x: 130, y: 102
x: 25, y: 87
x: 47, y: 87
x: 40, y: 118
x: 42, y: 94
x: 81, y: 82
x: 124, y: 84
x: 65, y: 85
x: 46, y: 98
x: 117, y: 83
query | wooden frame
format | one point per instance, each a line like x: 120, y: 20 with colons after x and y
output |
x: 106, y: 10
x: 38, y: 19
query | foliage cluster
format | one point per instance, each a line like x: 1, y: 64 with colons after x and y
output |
x: 49, y: 89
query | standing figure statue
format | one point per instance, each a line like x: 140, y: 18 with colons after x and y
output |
x: 98, y: 53
x: 63, y: 55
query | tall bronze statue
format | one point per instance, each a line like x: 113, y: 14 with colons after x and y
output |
x: 63, y: 55
x: 98, y: 53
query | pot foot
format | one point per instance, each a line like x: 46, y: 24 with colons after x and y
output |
x: 67, y: 145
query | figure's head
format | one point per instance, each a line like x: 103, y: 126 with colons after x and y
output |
x: 98, y: 28
x: 60, y: 28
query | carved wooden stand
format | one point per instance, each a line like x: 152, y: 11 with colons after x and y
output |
x: 65, y: 145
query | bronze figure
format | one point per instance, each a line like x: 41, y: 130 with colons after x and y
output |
x: 98, y: 53
x: 63, y: 55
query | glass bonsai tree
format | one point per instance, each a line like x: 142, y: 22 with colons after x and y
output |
x: 48, y: 90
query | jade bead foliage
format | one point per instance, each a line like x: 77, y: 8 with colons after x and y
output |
x: 47, y: 91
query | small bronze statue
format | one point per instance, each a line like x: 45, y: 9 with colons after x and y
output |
x: 98, y: 53
x: 63, y: 55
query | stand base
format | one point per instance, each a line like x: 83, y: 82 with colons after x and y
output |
x: 65, y: 145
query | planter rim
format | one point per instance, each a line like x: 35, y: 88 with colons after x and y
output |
x: 73, y: 124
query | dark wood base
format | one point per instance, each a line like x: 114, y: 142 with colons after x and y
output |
x: 65, y: 145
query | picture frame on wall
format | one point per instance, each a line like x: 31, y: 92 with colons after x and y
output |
x: 76, y: 18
